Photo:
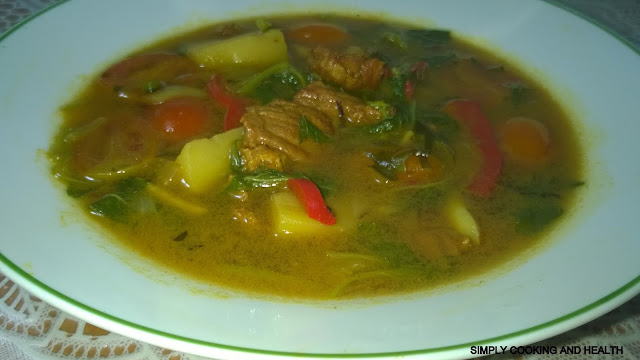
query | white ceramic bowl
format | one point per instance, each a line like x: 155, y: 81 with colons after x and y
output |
x: 590, y: 266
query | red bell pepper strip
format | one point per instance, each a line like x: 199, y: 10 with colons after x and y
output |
x: 417, y: 73
x: 408, y: 89
x: 235, y: 105
x: 469, y: 114
x: 309, y: 195
x: 419, y: 69
x: 233, y: 116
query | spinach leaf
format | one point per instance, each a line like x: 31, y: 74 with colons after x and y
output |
x: 235, y: 159
x: 429, y: 38
x: 542, y: 186
x: 434, y: 126
x: 117, y: 205
x: 130, y: 186
x: 326, y: 185
x: 262, y: 178
x: 403, y: 116
x: 77, y: 187
x: 307, y: 130
x: 279, y: 81
x: 112, y: 206
x: 399, y: 77
x: 263, y: 25
x: 535, y: 217
x: 396, y: 40
x: 437, y: 61
x: 520, y: 93
x: 77, y: 192
x: 374, y: 236
x: 387, y: 164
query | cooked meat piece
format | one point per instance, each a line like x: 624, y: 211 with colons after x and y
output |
x: 352, y: 72
x: 337, y: 104
x: 262, y: 156
x: 275, y: 127
x: 315, y: 116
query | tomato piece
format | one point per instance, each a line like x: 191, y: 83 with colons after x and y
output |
x: 309, y: 195
x: 526, y: 140
x: 319, y: 34
x: 181, y: 118
x: 469, y: 114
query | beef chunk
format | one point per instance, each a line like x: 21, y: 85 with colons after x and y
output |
x: 262, y: 156
x: 352, y: 72
x: 337, y: 104
x: 272, y: 129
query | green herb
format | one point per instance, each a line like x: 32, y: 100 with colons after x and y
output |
x: 112, y: 206
x: 425, y: 196
x: 326, y: 185
x: 542, y: 186
x: 263, y: 25
x: 435, y: 126
x: 520, y: 93
x: 374, y: 236
x: 396, y: 40
x: 80, y: 190
x: 76, y: 187
x: 262, y: 178
x: 130, y: 186
x: 429, y: 38
x: 307, y: 130
x: 536, y: 217
x: 118, y: 204
x: 387, y: 164
x: 400, y: 76
x: 437, y: 61
x: 280, y: 81
x: 385, y: 109
x: 235, y: 158
x: 151, y: 86
x: 403, y: 115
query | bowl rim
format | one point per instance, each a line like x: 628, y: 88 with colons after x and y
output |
x: 554, y: 327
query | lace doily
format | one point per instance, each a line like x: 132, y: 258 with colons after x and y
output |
x: 31, y: 329
x: 13, y: 11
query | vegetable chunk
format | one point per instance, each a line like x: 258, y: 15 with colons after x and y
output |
x: 205, y: 162
x: 461, y: 218
x: 309, y: 195
x: 252, y: 51
x: 290, y: 216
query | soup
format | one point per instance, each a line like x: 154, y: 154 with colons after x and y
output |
x: 319, y: 156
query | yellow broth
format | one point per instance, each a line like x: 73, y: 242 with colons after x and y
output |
x: 393, y: 233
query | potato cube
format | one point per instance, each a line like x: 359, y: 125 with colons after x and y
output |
x: 205, y: 162
x: 290, y: 217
